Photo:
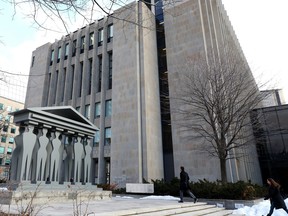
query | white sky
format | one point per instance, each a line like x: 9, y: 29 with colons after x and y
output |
x: 260, y: 25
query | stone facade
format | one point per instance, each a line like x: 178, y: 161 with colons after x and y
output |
x: 109, y: 72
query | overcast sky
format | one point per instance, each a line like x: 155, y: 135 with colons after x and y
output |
x: 260, y: 26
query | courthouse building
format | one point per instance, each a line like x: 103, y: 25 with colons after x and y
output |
x: 114, y: 70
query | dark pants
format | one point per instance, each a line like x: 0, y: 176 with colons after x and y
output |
x: 272, y: 209
x: 188, y: 192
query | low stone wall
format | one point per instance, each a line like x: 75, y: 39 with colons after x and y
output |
x: 52, y: 193
x: 140, y: 188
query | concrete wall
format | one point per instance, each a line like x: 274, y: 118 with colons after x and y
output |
x: 38, y: 77
x: 196, y: 28
x: 136, y: 124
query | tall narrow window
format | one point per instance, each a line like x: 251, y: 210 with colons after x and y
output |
x: 107, y: 136
x: 87, y: 111
x: 33, y: 60
x: 97, y: 110
x: 108, y: 108
x: 72, y: 81
x: 80, y: 79
x: 82, y: 44
x: 48, y: 90
x: 66, y: 51
x: 63, y: 85
x: 100, y: 73
x: 110, y: 59
x: 110, y: 33
x: 100, y: 37
x: 91, y: 40
x: 2, y: 149
x: 56, y: 85
x: 51, y: 57
x: 90, y: 75
x: 1, y: 106
x: 96, y: 138
x: 59, y: 54
x: 74, y: 44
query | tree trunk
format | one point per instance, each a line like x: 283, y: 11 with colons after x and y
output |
x: 223, y: 170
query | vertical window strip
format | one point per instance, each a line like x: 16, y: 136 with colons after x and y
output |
x: 80, y: 79
x: 100, y: 74
x: 72, y: 81
x: 90, y: 75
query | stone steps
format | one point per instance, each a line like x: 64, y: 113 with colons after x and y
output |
x: 185, y: 209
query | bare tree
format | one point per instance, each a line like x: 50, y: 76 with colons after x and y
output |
x: 214, y: 102
x: 59, y: 15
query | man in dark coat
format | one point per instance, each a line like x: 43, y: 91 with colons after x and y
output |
x: 184, y: 185
x: 275, y: 196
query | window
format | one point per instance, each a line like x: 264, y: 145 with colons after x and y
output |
x: 7, y: 162
x: 72, y: 81
x: 13, y: 130
x: 110, y: 70
x: 66, y: 51
x: 33, y: 60
x: 110, y: 33
x: 51, y: 57
x: 3, y: 139
x: 9, y: 108
x: 107, y: 136
x: 56, y: 85
x: 108, y: 108
x: 59, y: 55
x: 1, y: 116
x: 100, y: 73
x: 9, y: 150
x: 96, y: 139
x: 82, y: 44
x: 5, y: 128
x: 90, y: 75
x: 80, y: 79
x: 78, y: 109
x: 1, y: 106
x: 100, y: 37
x: 2, y: 150
x: 11, y: 140
x: 74, y: 48
x: 91, y: 40
x: 87, y: 111
x: 97, y: 110
x: 7, y: 118
x: 63, y: 84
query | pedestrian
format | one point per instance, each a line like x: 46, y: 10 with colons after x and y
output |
x: 276, y: 199
x: 184, y: 185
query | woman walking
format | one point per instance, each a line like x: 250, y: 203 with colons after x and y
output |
x: 275, y: 197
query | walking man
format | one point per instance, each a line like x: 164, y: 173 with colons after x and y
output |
x: 184, y: 185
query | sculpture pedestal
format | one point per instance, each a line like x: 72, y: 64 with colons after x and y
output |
x: 23, y: 193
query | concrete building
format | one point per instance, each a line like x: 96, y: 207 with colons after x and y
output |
x: 271, y: 133
x: 114, y: 71
x: 8, y: 130
x: 273, y: 97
